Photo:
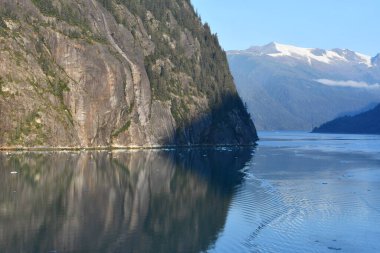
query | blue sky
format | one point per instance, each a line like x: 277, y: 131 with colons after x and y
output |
x: 352, y: 24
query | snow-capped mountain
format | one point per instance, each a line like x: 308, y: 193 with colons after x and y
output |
x: 295, y: 88
x: 309, y: 55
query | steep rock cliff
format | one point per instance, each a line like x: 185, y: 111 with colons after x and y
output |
x: 95, y: 73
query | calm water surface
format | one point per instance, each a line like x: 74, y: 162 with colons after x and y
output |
x: 294, y: 192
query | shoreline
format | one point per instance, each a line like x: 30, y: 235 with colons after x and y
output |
x: 110, y: 148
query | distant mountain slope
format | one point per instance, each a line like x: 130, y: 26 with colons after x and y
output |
x: 364, y: 123
x: 292, y: 88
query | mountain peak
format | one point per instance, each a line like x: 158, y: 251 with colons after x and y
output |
x: 376, y: 60
x: 311, y: 55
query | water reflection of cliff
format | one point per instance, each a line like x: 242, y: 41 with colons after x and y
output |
x: 116, y: 202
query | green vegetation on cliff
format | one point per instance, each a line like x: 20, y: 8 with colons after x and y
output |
x: 62, y: 11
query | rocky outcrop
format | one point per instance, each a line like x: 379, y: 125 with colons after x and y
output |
x: 114, y: 73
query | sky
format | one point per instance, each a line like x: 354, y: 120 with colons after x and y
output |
x: 327, y: 24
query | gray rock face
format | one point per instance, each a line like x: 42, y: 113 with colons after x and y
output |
x: 292, y: 88
x: 112, y: 73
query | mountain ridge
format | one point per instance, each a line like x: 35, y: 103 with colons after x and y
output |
x: 275, y: 49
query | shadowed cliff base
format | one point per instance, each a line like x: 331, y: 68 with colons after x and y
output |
x: 141, y: 201
x: 227, y: 123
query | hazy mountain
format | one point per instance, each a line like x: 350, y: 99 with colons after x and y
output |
x: 96, y: 73
x: 293, y: 88
x: 364, y: 123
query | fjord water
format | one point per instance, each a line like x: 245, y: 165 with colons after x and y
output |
x: 294, y: 192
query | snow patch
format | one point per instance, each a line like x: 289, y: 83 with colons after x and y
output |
x: 306, y: 53
x: 367, y: 60
x: 310, y: 54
